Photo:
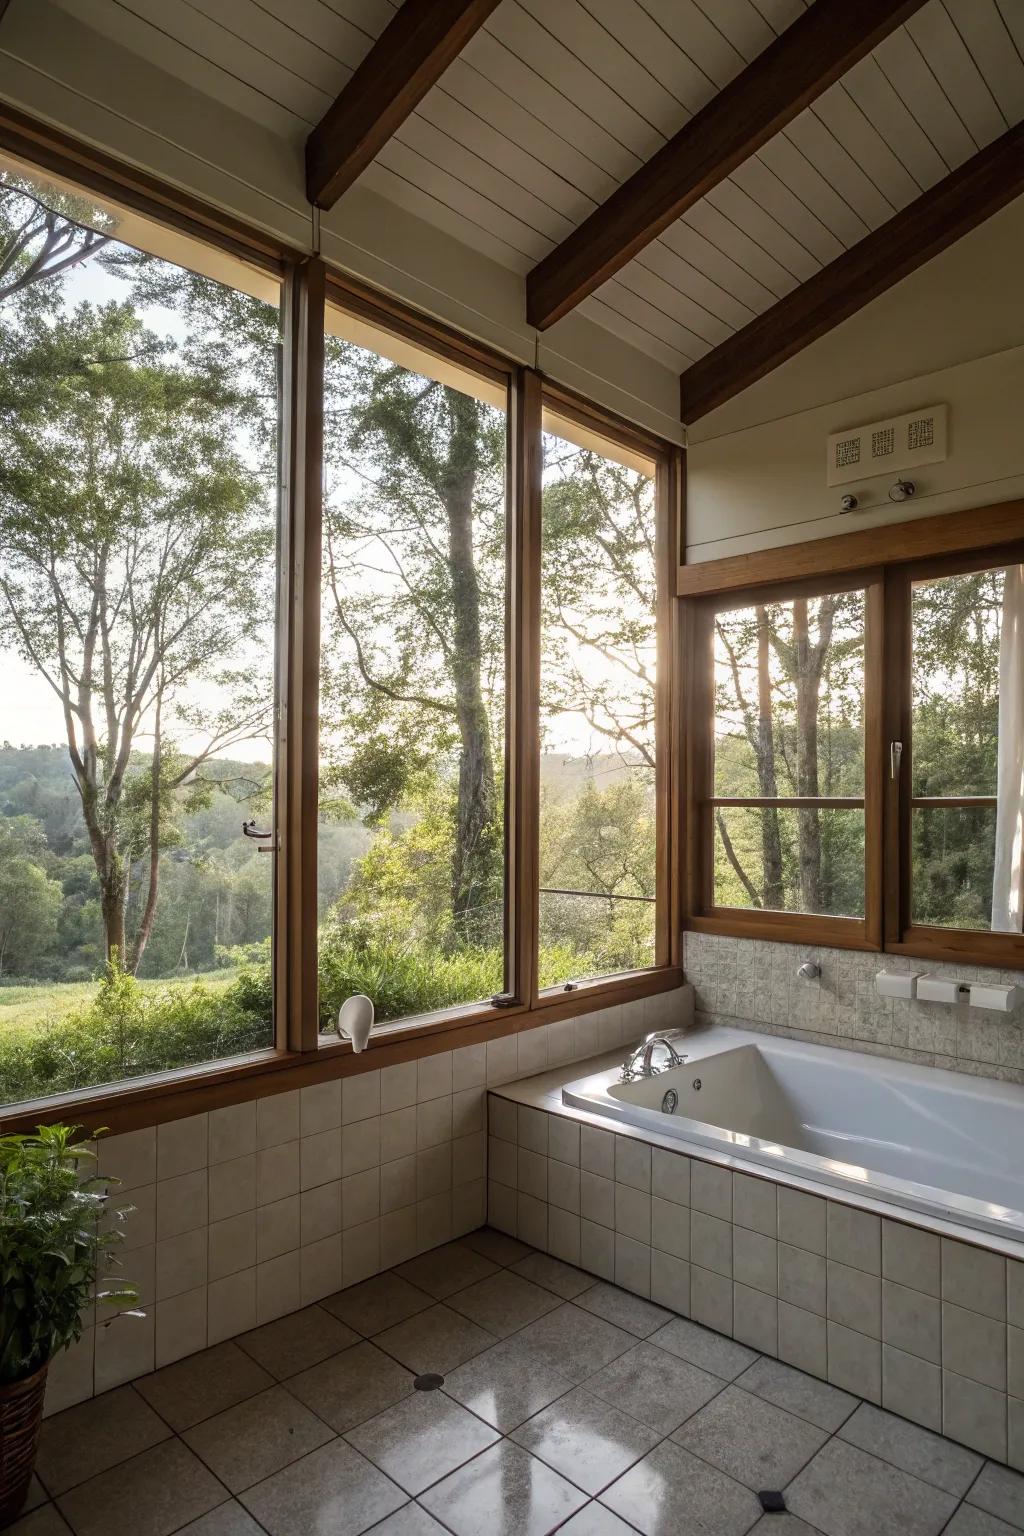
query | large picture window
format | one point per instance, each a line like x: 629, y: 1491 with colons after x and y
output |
x: 599, y: 594
x: 138, y: 573
x: 411, y: 841
x: 336, y: 661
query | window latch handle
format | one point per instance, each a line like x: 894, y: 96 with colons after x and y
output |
x: 250, y: 829
x: 895, y: 754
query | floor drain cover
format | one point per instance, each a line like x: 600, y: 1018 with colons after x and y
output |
x: 429, y: 1382
x: 772, y: 1501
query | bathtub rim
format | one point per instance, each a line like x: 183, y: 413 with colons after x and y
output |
x: 933, y: 1207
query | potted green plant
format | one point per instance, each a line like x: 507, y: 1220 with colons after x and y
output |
x: 54, y: 1246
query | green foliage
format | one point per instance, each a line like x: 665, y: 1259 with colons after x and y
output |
x: 56, y: 1242
x: 127, y: 1030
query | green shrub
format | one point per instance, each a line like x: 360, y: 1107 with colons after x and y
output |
x: 54, y: 1246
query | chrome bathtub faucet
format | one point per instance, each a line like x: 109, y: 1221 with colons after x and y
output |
x: 640, y: 1063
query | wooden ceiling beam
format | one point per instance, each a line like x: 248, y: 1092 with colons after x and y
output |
x: 812, y: 53
x: 413, y: 51
x: 937, y: 219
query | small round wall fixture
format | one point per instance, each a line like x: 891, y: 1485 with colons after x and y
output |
x: 809, y: 971
x: 902, y: 490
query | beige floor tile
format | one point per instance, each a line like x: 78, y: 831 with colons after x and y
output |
x: 574, y: 1342
x: 151, y: 1495
x: 332, y: 1490
x: 228, y: 1520
x: 1000, y: 1492
x: 751, y: 1440
x: 586, y: 1439
x: 378, y: 1303
x: 671, y: 1493
x: 352, y: 1386
x: 722, y: 1357
x: 971, y: 1521
x: 504, y: 1491
x: 656, y: 1388
x: 798, y: 1393
x: 594, y: 1520
x: 623, y: 1309
x: 496, y: 1246
x: 846, y: 1492
x: 297, y: 1341
x: 201, y: 1385
x: 40, y: 1522
x: 563, y: 1279
x: 247, y: 1443
x: 436, y: 1340
x: 410, y: 1520
x: 506, y: 1384
x: 915, y: 1450
x: 421, y: 1439
x: 95, y: 1435
x: 503, y: 1303
x: 449, y: 1268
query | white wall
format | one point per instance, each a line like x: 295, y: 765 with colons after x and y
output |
x: 953, y: 332
x: 64, y: 72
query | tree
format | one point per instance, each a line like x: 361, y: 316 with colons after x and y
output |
x: 123, y: 506
x: 44, y: 232
x: 414, y: 577
x: 29, y: 900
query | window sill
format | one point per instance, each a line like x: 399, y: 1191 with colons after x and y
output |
x: 785, y: 928
x: 140, y: 1102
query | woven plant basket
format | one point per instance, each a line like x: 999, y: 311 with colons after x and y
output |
x: 21, y: 1414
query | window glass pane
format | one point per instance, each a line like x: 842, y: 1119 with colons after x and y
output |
x: 956, y: 624
x: 789, y: 723
x: 788, y: 860
x: 597, y: 810
x: 412, y: 729
x: 967, y: 733
x: 138, y: 573
x: 953, y: 862
x: 789, y: 698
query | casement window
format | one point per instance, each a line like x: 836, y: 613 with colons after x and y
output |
x: 956, y: 723
x: 337, y: 659
x: 598, y: 706
x: 856, y: 757
x: 786, y: 810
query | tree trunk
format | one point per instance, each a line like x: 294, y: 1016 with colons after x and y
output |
x: 808, y: 680
x: 149, y: 912
x: 771, y: 840
x: 473, y: 866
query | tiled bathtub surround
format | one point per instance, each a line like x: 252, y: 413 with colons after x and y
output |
x: 250, y: 1212
x: 926, y: 1326
x: 757, y: 982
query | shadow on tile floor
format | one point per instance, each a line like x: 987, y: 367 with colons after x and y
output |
x: 567, y: 1404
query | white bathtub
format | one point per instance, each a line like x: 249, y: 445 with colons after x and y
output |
x: 918, y: 1137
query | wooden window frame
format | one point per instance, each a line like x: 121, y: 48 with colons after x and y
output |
x: 299, y: 1055
x: 668, y: 493
x: 787, y: 927
x: 903, y: 936
x: 886, y: 561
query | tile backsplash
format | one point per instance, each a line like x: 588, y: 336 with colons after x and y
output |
x: 754, y: 982
x: 255, y: 1210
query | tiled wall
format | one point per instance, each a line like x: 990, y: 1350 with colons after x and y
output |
x: 756, y: 983
x: 249, y: 1212
x: 930, y: 1328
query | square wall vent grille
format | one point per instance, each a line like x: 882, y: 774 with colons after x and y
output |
x: 888, y: 447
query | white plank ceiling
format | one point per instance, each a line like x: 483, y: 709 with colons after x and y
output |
x: 555, y: 102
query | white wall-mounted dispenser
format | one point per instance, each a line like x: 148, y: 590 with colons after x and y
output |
x: 1002, y: 999
x: 940, y: 989
x: 896, y: 983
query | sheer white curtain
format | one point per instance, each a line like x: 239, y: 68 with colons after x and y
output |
x: 1008, y: 877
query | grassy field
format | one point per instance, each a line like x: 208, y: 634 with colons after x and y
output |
x: 31, y: 1003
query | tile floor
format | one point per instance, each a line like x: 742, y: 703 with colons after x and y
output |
x: 567, y: 1405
